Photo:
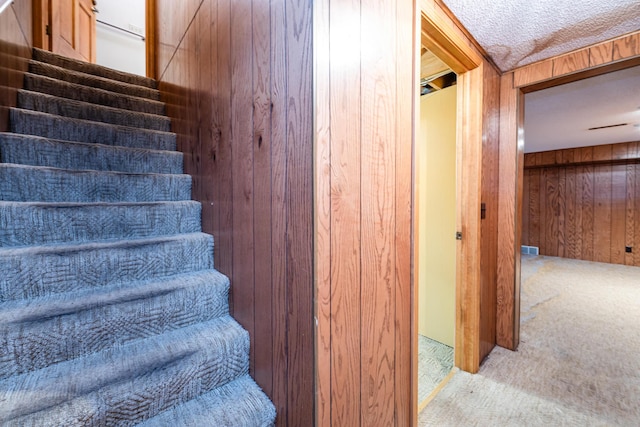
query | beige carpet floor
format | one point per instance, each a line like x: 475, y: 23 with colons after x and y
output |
x: 578, y: 363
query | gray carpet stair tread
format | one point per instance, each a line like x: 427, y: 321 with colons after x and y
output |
x: 77, y: 77
x: 116, y: 386
x: 98, y: 70
x: 238, y: 403
x: 40, y: 332
x: 21, y: 183
x: 29, y: 223
x: 60, y: 106
x: 57, y: 127
x: 38, y: 271
x: 39, y: 83
x: 40, y: 151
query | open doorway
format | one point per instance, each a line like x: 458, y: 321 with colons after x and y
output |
x: 436, y: 195
x: 120, y: 35
x: 580, y: 178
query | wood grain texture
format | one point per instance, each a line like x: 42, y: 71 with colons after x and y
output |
x: 406, y: 346
x: 571, y: 62
x: 489, y: 225
x: 468, y: 288
x: 322, y: 132
x: 597, y: 199
x: 626, y: 47
x: 15, y: 49
x: 237, y: 80
x: 378, y: 176
x: 601, y: 54
x: 346, y: 245
x: 533, y: 73
x: 507, y: 251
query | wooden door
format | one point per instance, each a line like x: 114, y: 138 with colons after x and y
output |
x: 66, y: 27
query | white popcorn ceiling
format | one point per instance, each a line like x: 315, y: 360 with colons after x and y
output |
x: 518, y: 32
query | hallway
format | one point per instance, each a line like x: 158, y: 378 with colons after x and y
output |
x: 577, y: 363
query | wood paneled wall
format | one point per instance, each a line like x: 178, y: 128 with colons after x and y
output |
x: 363, y: 55
x: 616, y: 54
x: 15, y: 48
x: 237, y: 79
x: 584, y: 203
x: 489, y: 200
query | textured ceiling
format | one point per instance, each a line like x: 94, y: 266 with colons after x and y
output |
x: 518, y: 32
x: 559, y: 117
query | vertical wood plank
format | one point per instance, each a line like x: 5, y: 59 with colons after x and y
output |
x: 279, y: 212
x: 506, y: 296
x: 602, y: 205
x: 489, y: 225
x: 571, y: 234
x: 262, y: 209
x: 322, y: 133
x: 588, y: 184
x: 545, y: 220
x: 618, y: 213
x: 526, y: 209
x: 405, y: 398
x: 300, y: 207
x: 561, y: 211
x: 630, y: 213
x: 377, y: 107
x: 534, y: 207
x: 636, y: 231
x: 243, y: 285
x: 345, y: 214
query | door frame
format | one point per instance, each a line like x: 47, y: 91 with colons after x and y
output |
x: 437, y: 35
x: 602, y: 58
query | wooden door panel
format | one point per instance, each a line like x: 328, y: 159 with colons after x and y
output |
x: 86, y: 30
x: 71, y: 28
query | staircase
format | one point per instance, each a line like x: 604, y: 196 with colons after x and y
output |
x: 111, y: 311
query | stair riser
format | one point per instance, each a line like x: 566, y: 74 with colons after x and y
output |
x: 84, y: 67
x: 85, y: 223
x: 82, y: 110
x: 89, y: 80
x: 37, y: 273
x: 36, y: 344
x: 29, y: 184
x: 62, y: 128
x: 36, y: 83
x: 238, y: 403
x: 141, y: 385
x: 36, y: 151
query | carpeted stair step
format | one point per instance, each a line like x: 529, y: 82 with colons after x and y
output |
x: 38, y: 83
x: 44, y: 103
x: 129, y: 384
x: 38, y: 271
x: 39, y: 151
x: 27, y: 223
x: 238, y: 403
x: 41, y: 332
x: 76, y: 77
x: 21, y: 183
x: 96, y: 70
x: 68, y: 129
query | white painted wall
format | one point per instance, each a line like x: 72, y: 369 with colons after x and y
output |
x: 117, y: 49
